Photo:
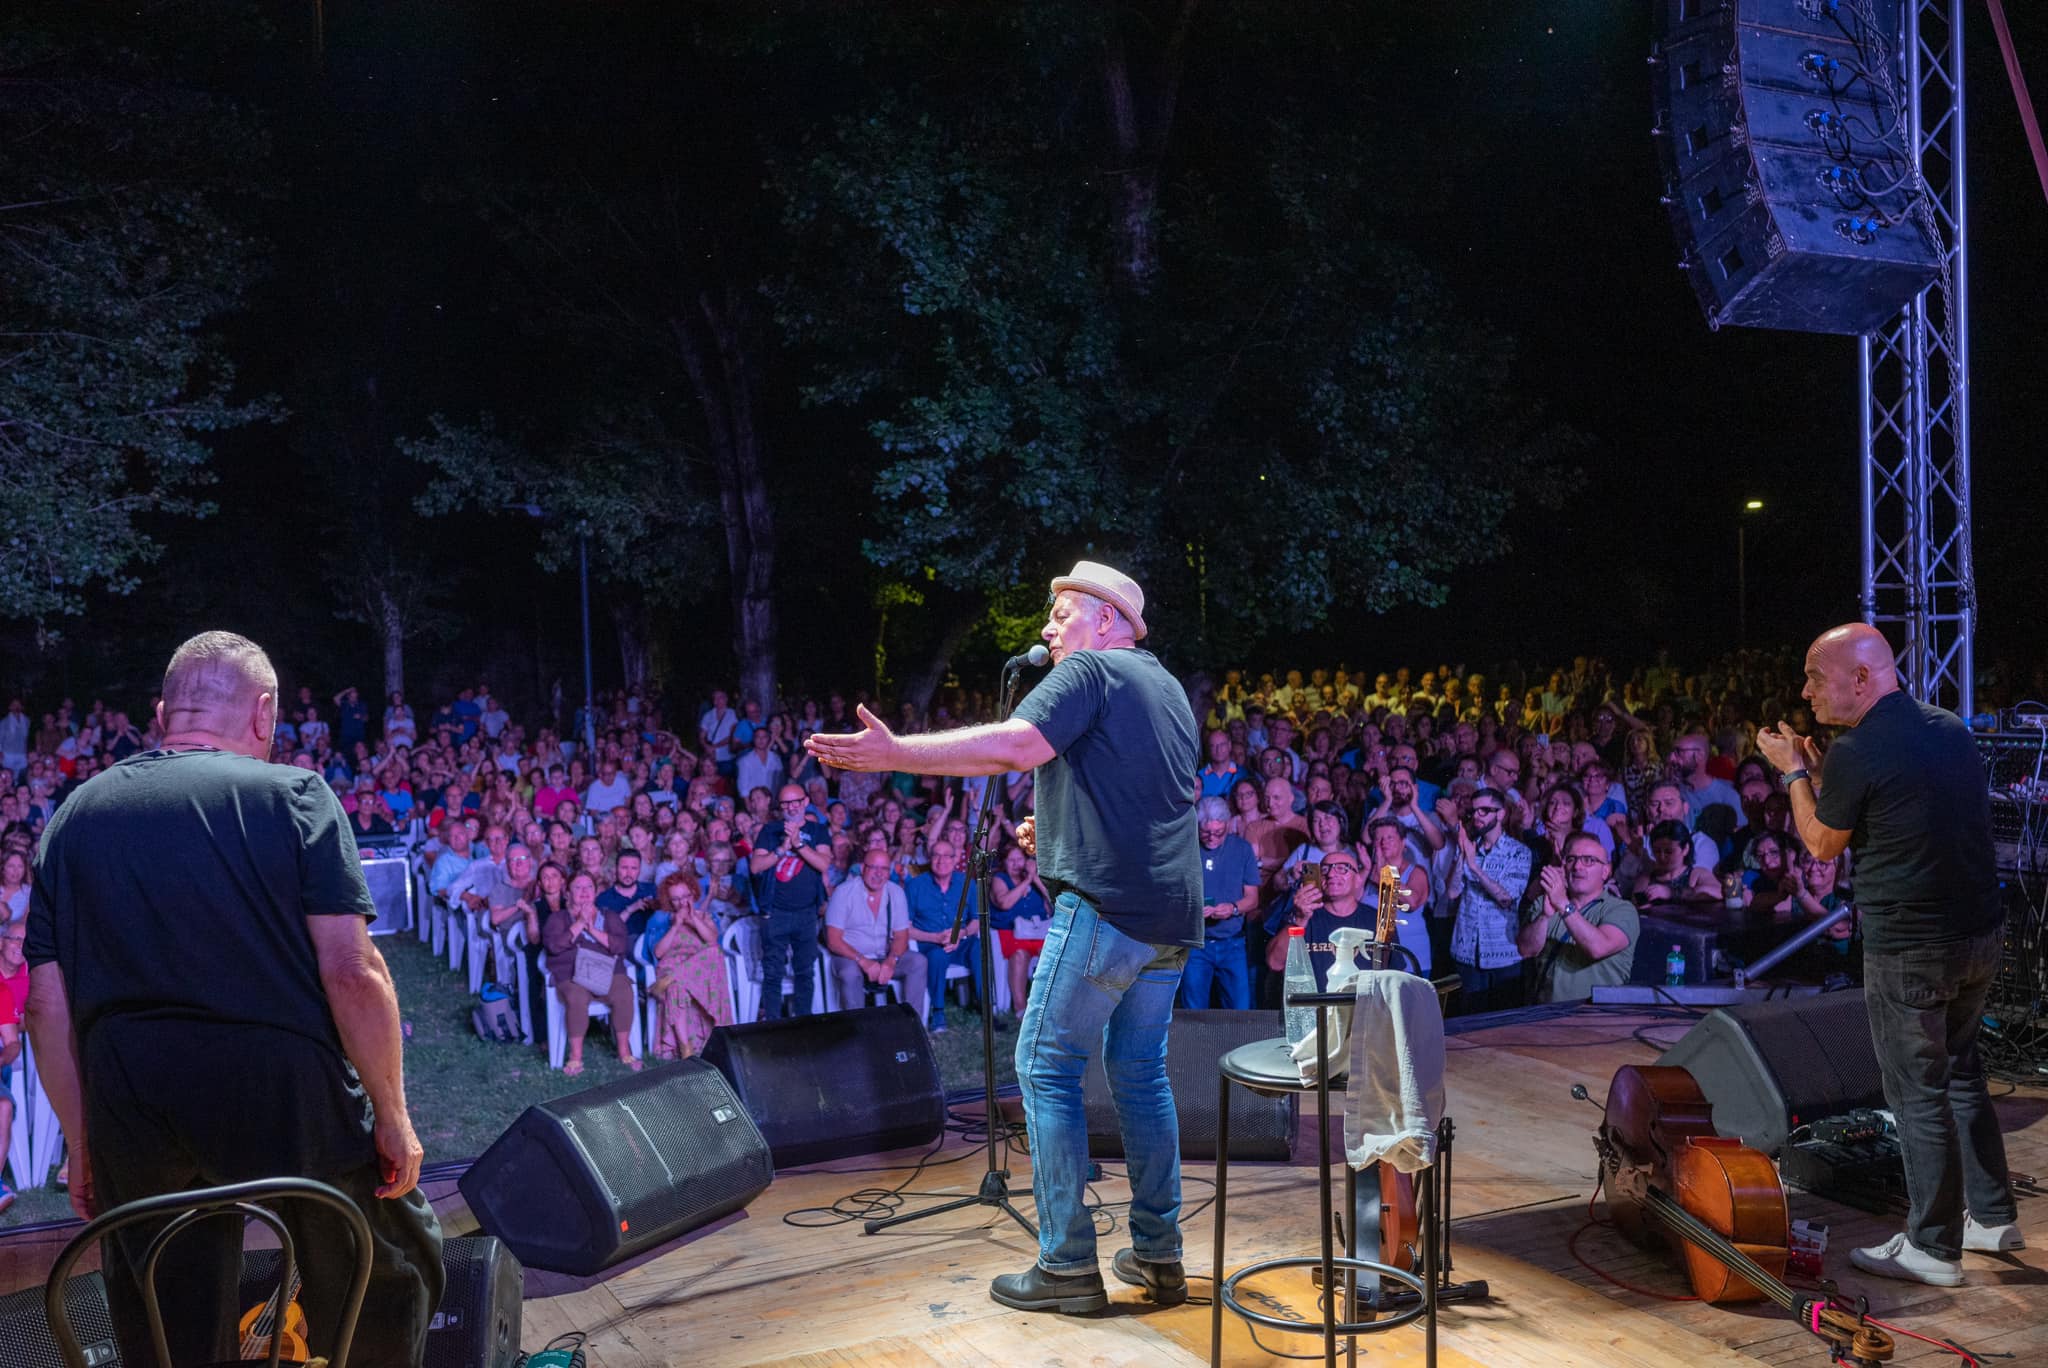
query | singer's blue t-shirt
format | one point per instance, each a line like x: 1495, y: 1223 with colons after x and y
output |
x: 1116, y: 803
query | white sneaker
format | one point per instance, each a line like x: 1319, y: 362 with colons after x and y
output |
x: 1991, y: 1239
x: 1900, y: 1258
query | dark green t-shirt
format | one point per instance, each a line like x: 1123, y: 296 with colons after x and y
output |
x: 175, y: 887
x: 1116, y: 803
x: 1908, y: 785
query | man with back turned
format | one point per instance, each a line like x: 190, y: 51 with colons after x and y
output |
x: 1904, y: 788
x: 1115, y: 746
x: 206, y: 1007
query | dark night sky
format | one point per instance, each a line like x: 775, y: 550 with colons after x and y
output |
x: 1566, y: 245
x: 1523, y: 131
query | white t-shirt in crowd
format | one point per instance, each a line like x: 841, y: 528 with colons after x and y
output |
x: 603, y: 797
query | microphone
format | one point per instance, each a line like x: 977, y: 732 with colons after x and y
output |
x: 1034, y: 657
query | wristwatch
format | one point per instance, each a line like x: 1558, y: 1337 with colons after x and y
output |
x: 1794, y: 776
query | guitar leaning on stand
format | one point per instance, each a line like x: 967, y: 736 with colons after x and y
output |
x: 1718, y: 1203
x: 1384, y: 1213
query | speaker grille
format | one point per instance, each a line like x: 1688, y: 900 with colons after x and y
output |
x: 1770, y: 1067
x: 25, y: 1339
x: 1787, y: 173
x: 1261, y: 1127
x: 581, y: 1182
x: 835, y: 1085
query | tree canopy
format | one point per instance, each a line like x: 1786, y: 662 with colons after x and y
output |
x: 124, y: 235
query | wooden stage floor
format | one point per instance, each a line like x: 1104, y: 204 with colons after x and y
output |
x: 756, y: 1290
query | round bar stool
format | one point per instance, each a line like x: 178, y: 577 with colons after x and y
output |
x: 1267, y: 1066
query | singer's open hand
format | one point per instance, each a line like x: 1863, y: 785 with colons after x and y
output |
x: 871, y: 749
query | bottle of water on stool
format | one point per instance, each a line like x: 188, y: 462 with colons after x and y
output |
x: 1674, y: 967
x: 1300, y: 978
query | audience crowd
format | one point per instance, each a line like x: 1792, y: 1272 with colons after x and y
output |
x: 1525, y: 825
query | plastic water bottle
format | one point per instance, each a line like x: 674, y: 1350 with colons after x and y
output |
x: 1674, y: 967
x: 1301, y: 978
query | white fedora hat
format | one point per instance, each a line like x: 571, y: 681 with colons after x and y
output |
x: 1113, y: 587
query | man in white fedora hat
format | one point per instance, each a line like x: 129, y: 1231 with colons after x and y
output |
x: 1115, y: 746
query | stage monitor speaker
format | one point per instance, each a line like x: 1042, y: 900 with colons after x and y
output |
x: 477, y: 1323
x: 25, y: 1338
x: 1261, y: 1127
x: 1770, y: 1067
x: 582, y: 1182
x: 837, y: 1084
x: 1781, y: 128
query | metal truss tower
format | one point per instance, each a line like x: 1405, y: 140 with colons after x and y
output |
x: 1917, y: 572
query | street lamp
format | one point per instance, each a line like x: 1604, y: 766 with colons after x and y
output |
x: 1742, y: 572
x: 539, y: 514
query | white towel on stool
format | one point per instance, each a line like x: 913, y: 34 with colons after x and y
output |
x: 1395, y: 1098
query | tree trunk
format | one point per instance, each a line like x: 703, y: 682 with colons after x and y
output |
x: 630, y: 620
x: 920, y: 684
x: 1140, y: 116
x: 725, y: 383
x: 391, y: 626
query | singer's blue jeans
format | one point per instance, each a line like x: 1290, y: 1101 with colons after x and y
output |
x: 1098, y: 991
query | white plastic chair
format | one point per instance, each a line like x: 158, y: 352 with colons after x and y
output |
x: 741, y: 942
x: 600, y: 1010
x: 35, y: 1140
x: 508, y: 944
x: 459, y: 927
x: 477, y: 929
x: 642, y: 967
x: 742, y: 946
x: 21, y: 1135
x: 999, y: 991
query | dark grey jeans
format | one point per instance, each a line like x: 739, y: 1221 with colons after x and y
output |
x: 1926, y: 1007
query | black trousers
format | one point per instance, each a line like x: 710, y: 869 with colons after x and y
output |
x: 174, y: 1105
x: 1926, y: 1008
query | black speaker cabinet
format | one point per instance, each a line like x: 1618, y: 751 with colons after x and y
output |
x: 835, y: 1085
x: 478, y: 1321
x: 1771, y: 1067
x: 25, y: 1338
x: 580, y: 1183
x: 1260, y: 1127
x: 1787, y: 168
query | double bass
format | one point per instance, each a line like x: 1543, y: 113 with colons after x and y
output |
x: 1672, y: 1180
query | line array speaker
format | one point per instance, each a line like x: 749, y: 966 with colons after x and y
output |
x: 1781, y: 125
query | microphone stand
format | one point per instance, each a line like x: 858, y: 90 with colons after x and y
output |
x: 995, y: 1183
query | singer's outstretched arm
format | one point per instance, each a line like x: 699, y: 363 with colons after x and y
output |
x: 997, y: 748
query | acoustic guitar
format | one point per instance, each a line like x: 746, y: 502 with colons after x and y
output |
x: 260, y: 1321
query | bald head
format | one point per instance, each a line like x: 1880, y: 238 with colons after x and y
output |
x: 220, y: 689
x: 1848, y: 668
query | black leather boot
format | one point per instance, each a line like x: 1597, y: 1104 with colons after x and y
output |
x: 1165, y: 1283
x: 1037, y: 1290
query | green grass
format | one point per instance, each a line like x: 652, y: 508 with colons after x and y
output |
x: 464, y: 1093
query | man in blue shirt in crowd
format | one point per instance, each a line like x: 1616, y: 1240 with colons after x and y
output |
x: 1230, y: 892
x: 935, y: 898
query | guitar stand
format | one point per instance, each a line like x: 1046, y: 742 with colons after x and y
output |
x: 1361, y: 1235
